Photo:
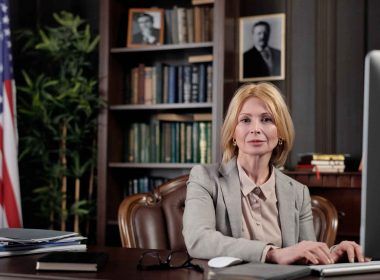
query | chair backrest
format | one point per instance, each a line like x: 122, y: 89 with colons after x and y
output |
x: 154, y: 220
x: 325, y: 218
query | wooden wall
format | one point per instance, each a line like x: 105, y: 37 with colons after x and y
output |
x: 325, y: 48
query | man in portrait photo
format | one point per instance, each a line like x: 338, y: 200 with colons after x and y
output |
x: 147, y: 34
x: 261, y: 60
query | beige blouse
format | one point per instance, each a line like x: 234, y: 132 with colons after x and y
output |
x: 260, y: 212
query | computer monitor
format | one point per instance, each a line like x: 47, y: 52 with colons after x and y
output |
x: 370, y: 200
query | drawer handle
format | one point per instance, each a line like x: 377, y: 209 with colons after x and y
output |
x: 341, y: 214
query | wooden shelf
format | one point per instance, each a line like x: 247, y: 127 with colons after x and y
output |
x: 115, y: 70
x: 163, y: 48
x: 152, y: 165
x: 174, y: 106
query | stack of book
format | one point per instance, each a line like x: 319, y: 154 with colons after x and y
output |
x: 22, y: 241
x: 323, y: 163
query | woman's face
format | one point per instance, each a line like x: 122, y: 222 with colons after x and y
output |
x: 255, y: 132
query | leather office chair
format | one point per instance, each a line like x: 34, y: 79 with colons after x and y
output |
x: 154, y: 220
x: 325, y: 218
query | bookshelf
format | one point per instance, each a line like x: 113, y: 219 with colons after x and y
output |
x: 115, y: 169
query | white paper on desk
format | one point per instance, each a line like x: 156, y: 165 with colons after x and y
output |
x: 27, y: 235
x: 346, y: 268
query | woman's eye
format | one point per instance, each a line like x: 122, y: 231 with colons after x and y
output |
x: 245, y: 120
x: 267, y: 119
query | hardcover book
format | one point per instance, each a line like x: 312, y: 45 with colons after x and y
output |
x: 72, y: 261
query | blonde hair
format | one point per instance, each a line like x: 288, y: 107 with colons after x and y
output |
x: 275, y: 103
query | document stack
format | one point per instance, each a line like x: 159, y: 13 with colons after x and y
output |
x: 22, y: 241
x: 322, y: 163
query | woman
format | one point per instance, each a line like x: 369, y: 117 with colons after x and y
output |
x: 245, y: 207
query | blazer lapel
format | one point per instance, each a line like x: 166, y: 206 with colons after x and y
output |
x: 286, y: 208
x: 230, y: 186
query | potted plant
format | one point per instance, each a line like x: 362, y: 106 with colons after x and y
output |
x: 57, y: 108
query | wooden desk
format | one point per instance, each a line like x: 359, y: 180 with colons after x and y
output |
x: 121, y: 265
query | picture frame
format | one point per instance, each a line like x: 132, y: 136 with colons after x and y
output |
x: 145, y: 27
x: 262, y: 48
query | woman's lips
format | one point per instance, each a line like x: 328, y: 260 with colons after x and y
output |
x: 256, y: 141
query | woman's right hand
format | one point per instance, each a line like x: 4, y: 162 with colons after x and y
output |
x: 305, y: 252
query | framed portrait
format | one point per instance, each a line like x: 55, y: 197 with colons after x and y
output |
x: 145, y: 27
x: 262, y: 48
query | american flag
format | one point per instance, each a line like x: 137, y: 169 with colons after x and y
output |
x: 10, y: 202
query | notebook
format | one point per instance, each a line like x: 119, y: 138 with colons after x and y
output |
x: 260, y: 271
x: 73, y: 261
x: 346, y: 268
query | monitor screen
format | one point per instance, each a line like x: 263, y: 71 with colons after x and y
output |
x: 370, y: 200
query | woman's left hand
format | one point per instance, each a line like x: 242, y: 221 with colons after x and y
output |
x: 349, y: 249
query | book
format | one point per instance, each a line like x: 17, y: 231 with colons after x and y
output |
x: 180, y: 96
x: 174, y: 23
x: 183, y: 117
x: 158, y: 81
x: 187, y: 75
x: 148, y: 85
x: 307, y: 158
x: 209, y: 83
x: 201, y: 2
x: 134, y: 85
x: 182, y: 25
x: 168, y: 27
x: 194, y: 83
x: 172, y: 89
x: 141, y: 84
x: 328, y: 162
x: 328, y: 169
x: 72, y: 261
x: 197, y: 25
x: 200, y: 58
x: 202, y: 91
x: 190, y: 25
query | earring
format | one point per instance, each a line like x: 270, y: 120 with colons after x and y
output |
x: 280, y: 141
x: 234, y: 142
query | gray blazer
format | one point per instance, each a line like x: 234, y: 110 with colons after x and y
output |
x: 212, y: 221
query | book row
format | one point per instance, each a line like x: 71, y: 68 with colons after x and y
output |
x: 189, y: 25
x: 162, y: 83
x: 142, y: 185
x: 169, y: 142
